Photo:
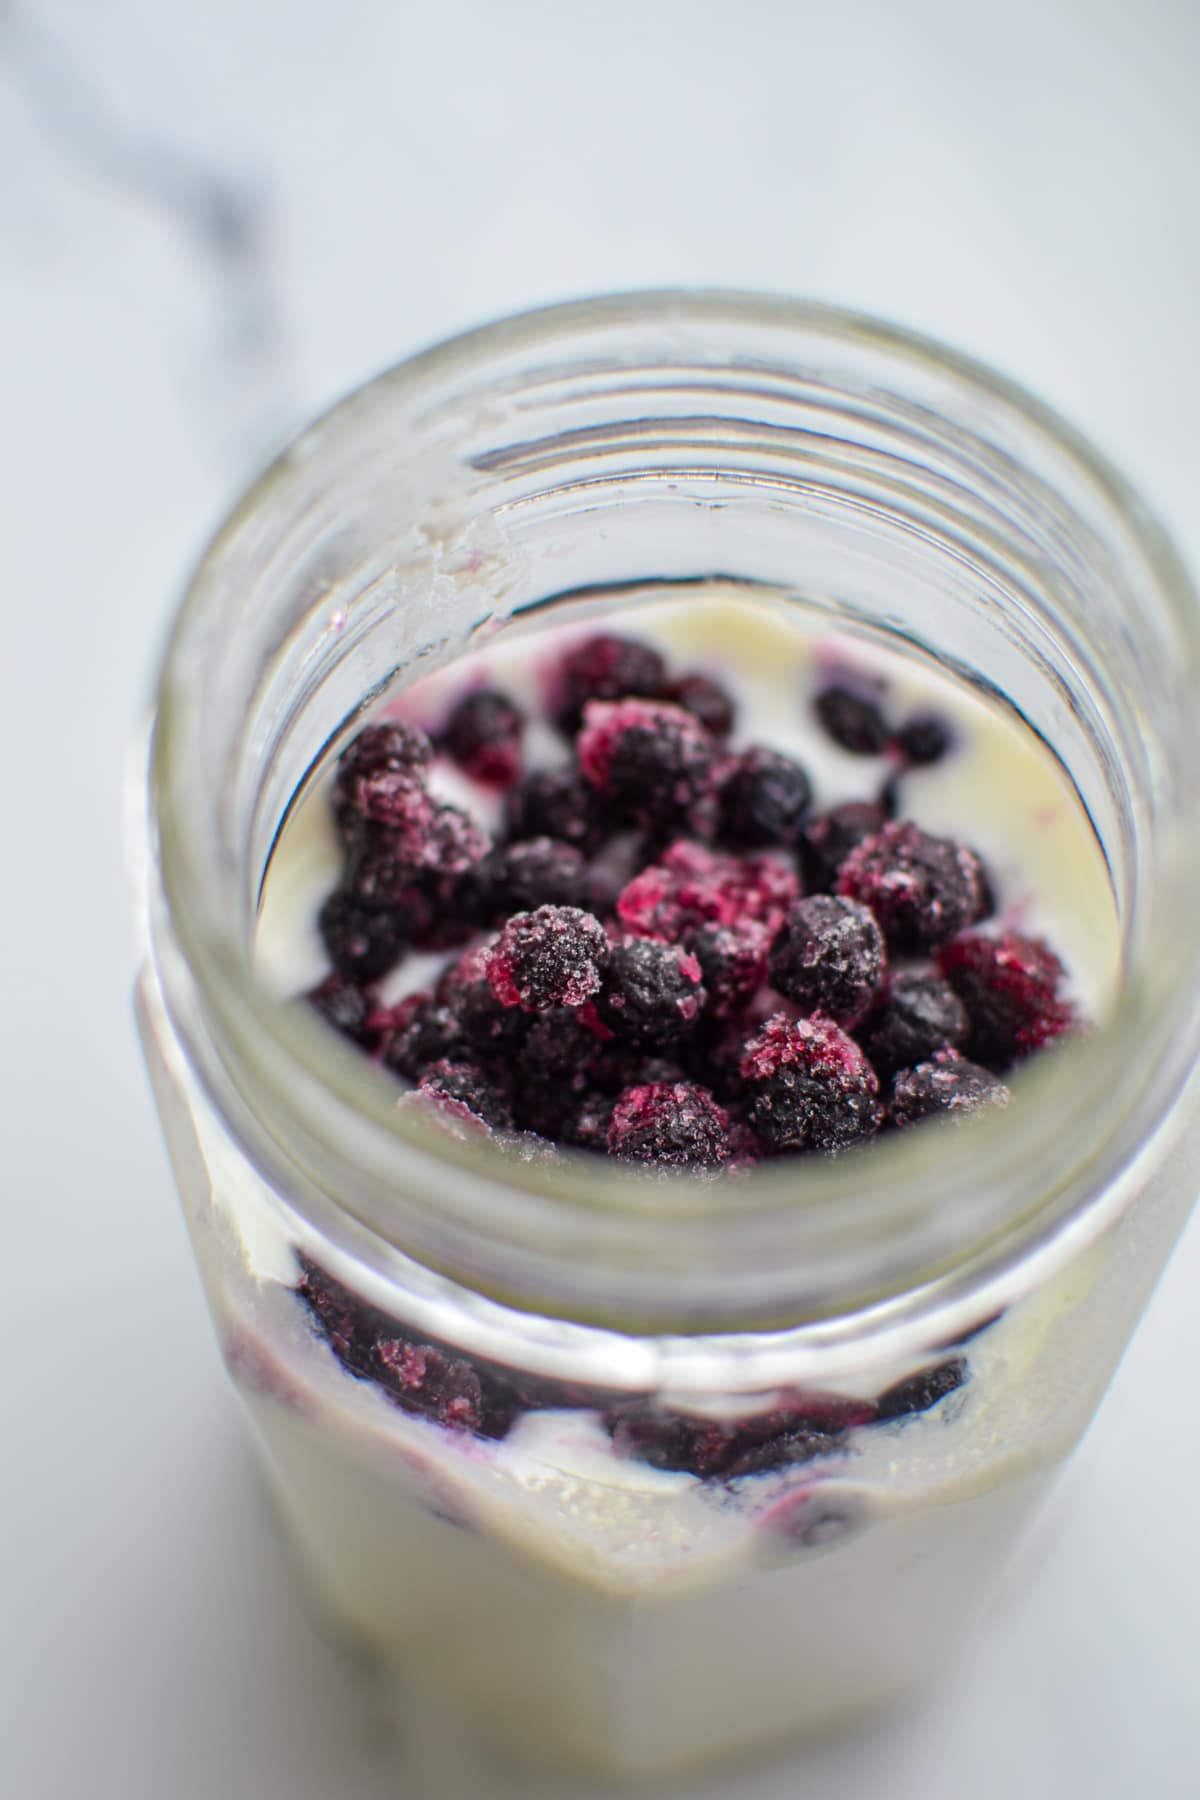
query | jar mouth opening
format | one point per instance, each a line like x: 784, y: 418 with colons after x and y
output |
x: 798, y: 1238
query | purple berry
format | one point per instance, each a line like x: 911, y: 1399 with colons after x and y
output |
x: 923, y: 890
x: 808, y: 1086
x: 378, y: 773
x: 919, y: 1014
x: 555, y: 803
x: 671, y: 1125
x: 727, y: 1449
x: 692, y: 886
x: 552, y: 957
x: 651, y: 992
x: 649, y: 762
x: 733, y: 963
x: 917, y: 1393
x: 765, y: 798
x: 1010, y: 986
x: 519, y: 877
x: 922, y: 740
x: 707, y: 700
x: 418, y: 1032
x: 607, y: 667
x: 947, y: 1083
x: 362, y: 944
x: 483, y: 736
x: 342, y: 1004
x: 467, y: 1086
x: 830, y: 957
x: 829, y: 839
x: 852, y: 719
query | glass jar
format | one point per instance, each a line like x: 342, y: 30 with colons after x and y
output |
x: 935, y: 1324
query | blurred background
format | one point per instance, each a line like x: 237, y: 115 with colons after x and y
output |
x: 214, y: 218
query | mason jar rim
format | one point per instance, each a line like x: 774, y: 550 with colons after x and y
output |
x: 517, y: 1230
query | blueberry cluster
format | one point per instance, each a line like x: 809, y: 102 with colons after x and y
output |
x: 433, y: 1380
x: 671, y: 954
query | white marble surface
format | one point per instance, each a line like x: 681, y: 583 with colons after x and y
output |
x: 213, y: 218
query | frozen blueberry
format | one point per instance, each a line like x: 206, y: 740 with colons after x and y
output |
x: 342, y: 1004
x: 555, y: 803
x: 828, y: 840
x: 923, y: 890
x: 947, y: 1083
x: 918, y: 1393
x: 418, y: 1032
x: 852, y: 719
x: 765, y: 798
x: 464, y: 990
x: 651, y: 992
x: 607, y: 667
x: 830, y: 957
x: 670, y: 1125
x: 922, y: 740
x: 362, y: 944
x: 555, y: 956
x: 483, y: 736
x: 711, y: 703
x: 389, y: 866
x: 691, y: 886
x: 649, y: 762
x: 468, y: 1085
x: 727, y: 1449
x: 918, y: 1015
x: 1010, y: 986
x: 808, y: 1086
x: 519, y: 877
x: 733, y: 963
x: 378, y: 774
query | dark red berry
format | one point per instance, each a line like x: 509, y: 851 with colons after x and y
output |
x: 377, y: 773
x: 691, y: 886
x: 649, y: 762
x: 651, y: 992
x: 765, y: 798
x: 607, y: 667
x: 555, y: 803
x: 518, y: 877
x: 342, y: 1004
x: 808, y: 1086
x: 711, y: 703
x: 466, y: 1085
x: 923, y: 890
x: 918, y: 1015
x: 923, y: 739
x: 555, y: 956
x: 830, y: 957
x: 917, y: 1393
x: 393, y: 867
x: 1010, y: 986
x: 362, y: 944
x: 483, y: 736
x: 852, y: 719
x: 828, y: 840
x: 672, y: 1125
x: 947, y: 1083
x: 733, y: 963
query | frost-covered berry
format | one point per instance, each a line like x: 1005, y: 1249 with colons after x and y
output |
x: 1011, y: 988
x: 808, y: 1086
x: 649, y: 762
x: 764, y: 798
x: 947, y: 1083
x: 651, y: 992
x: 670, y: 1125
x: 922, y: 889
x: 607, y: 667
x: 483, y: 736
x: 554, y: 956
x: 829, y: 957
x: 918, y: 1014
